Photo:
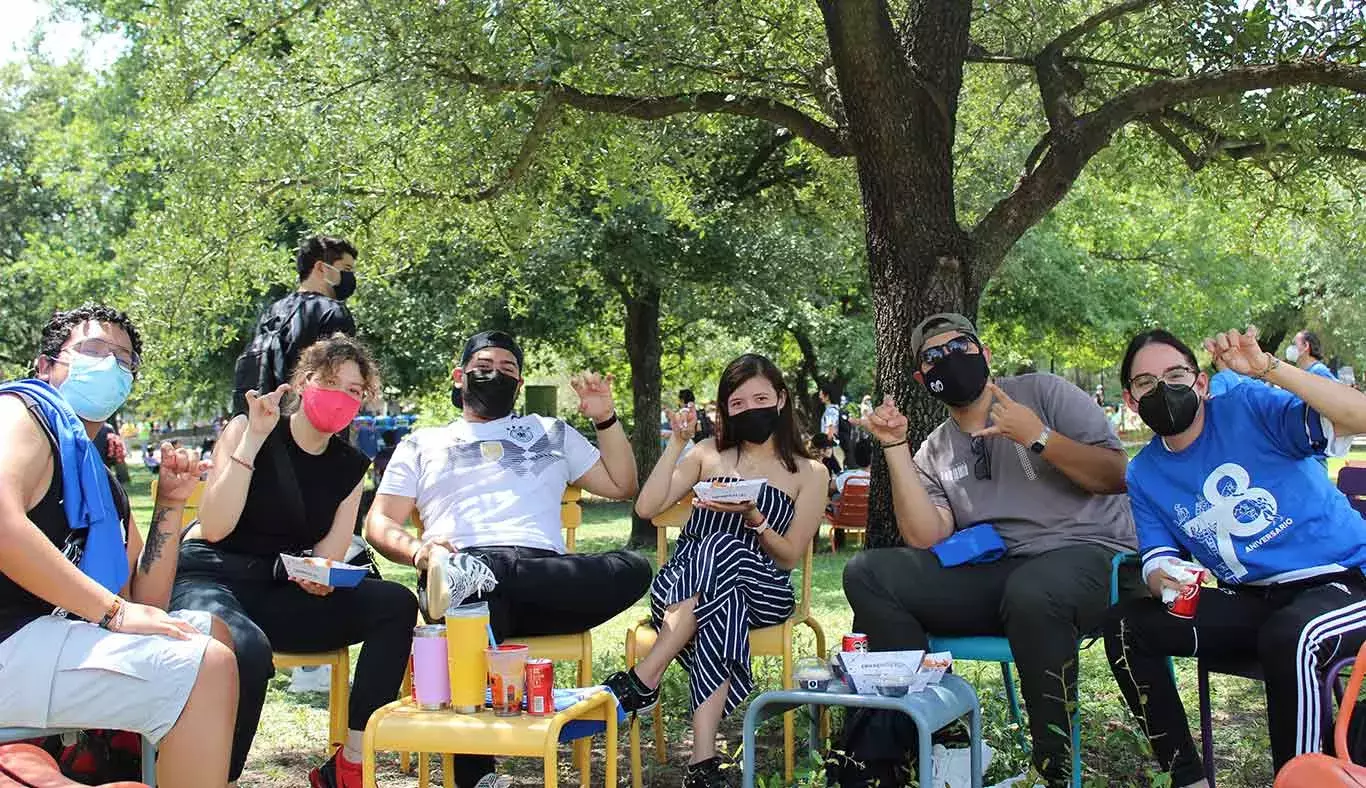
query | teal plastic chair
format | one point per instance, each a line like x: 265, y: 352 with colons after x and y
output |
x: 990, y: 648
x: 149, y: 750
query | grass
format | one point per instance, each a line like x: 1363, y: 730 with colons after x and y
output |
x: 294, y: 728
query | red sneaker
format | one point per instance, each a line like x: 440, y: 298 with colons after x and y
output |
x: 336, y: 773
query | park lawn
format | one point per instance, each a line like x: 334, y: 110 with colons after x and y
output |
x: 294, y: 728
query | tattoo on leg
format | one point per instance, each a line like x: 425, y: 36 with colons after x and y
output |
x: 156, y: 540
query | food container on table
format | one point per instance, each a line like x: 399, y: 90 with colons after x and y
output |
x: 812, y: 674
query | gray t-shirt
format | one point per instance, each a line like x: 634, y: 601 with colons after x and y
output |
x: 1033, y: 505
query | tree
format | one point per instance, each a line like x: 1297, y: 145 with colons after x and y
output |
x: 881, y: 85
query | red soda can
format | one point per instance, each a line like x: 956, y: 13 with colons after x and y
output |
x: 540, y: 687
x: 855, y: 641
x: 1188, y: 599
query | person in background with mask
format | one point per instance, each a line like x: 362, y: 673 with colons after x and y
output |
x: 489, y: 484
x: 293, y: 485
x: 1231, y: 482
x: 1306, y: 352
x: 730, y: 571
x: 84, y: 636
x: 317, y: 309
x: 1033, y: 457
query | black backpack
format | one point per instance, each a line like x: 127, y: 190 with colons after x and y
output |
x: 263, y: 365
x: 875, y: 748
x: 844, y: 433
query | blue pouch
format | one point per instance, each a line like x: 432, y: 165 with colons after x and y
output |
x: 977, y: 544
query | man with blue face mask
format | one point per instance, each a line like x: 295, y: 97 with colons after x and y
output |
x: 84, y: 637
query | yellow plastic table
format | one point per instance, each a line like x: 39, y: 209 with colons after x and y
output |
x: 401, y: 726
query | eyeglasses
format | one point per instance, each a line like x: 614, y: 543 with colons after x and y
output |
x: 99, y: 348
x: 1142, y: 385
x: 981, y: 467
x: 964, y: 344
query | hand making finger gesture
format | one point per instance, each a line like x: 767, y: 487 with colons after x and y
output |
x: 1011, y: 419
x: 1239, y: 351
x: 886, y: 423
x: 180, y: 471
x: 595, y: 395
x: 263, y: 413
x: 683, y: 423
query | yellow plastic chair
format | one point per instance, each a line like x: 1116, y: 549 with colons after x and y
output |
x: 774, y: 641
x: 339, y: 695
x: 576, y: 648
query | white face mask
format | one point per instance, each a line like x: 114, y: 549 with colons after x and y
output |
x: 1292, y: 353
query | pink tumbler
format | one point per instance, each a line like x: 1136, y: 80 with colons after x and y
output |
x: 431, y: 680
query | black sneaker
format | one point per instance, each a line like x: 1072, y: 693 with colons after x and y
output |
x: 633, y: 696
x: 706, y: 774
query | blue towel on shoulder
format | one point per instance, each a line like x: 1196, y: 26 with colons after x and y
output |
x: 86, y: 498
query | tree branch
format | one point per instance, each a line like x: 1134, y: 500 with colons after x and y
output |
x: 1193, y: 160
x: 1073, y: 146
x: 545, y: 115
x: 251, y: 38
x: 1071, y: 35
x: 826, y: 138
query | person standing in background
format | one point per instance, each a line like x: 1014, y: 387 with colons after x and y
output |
x: 1306, y: 352
x: 326, y: 266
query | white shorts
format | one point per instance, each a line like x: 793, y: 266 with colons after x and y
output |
x: 65, y: 673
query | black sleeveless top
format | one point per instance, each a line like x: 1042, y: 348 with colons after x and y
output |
x: 290, y: 509
x: 18, y: 607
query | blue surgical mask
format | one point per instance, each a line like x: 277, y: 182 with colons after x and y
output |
x: 95, y: 387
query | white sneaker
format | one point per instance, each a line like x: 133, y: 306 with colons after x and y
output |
x: 953, y: 767
x: 492, y: 780
x: 316, y: 678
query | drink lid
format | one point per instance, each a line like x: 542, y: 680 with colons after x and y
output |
x: 472, y: 610
x: 429, y: 631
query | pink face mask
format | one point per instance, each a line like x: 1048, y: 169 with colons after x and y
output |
x: 329, y: 410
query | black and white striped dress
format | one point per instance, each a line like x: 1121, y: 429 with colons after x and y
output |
x: 738, y: 587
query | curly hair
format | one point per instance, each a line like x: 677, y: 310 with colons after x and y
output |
x: 59, y: 327
x: 325, y: 357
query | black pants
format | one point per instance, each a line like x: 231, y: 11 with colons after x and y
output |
x: 1294, y: 630
x: 1041, y: 604
x: 541, y: 592
x: 266, y: 615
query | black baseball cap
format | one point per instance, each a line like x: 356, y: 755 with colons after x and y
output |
x: 934, y: 325
x: 487, y: 339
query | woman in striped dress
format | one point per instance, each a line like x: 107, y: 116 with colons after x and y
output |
x: 729, y: 572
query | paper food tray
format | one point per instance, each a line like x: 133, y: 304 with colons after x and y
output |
x: 324, y: 571
x: 862, y: 669
x: 729, y: 492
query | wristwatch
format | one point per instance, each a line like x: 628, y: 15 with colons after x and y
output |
x: 1040, y: 443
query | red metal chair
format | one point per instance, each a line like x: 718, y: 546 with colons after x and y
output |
x: 851, y: 510
x: 1317, y: 770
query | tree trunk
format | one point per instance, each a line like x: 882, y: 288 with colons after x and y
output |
x: 900, y: 91
x: 644, y: 348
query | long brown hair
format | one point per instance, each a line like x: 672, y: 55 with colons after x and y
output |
x: 785, y: 435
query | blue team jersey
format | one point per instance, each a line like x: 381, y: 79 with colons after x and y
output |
x: 1321, y: 369
x: 1247, y: 500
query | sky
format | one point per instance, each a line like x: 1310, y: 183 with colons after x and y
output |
x: 63, y: 39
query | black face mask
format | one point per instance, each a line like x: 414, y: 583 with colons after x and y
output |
x: 958, y: 379
x: 346, y: 286
x: 488, y: 393
x: 755, y: 425
x: 1169, y: 410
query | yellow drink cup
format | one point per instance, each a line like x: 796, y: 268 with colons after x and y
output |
x: 466, y: 639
